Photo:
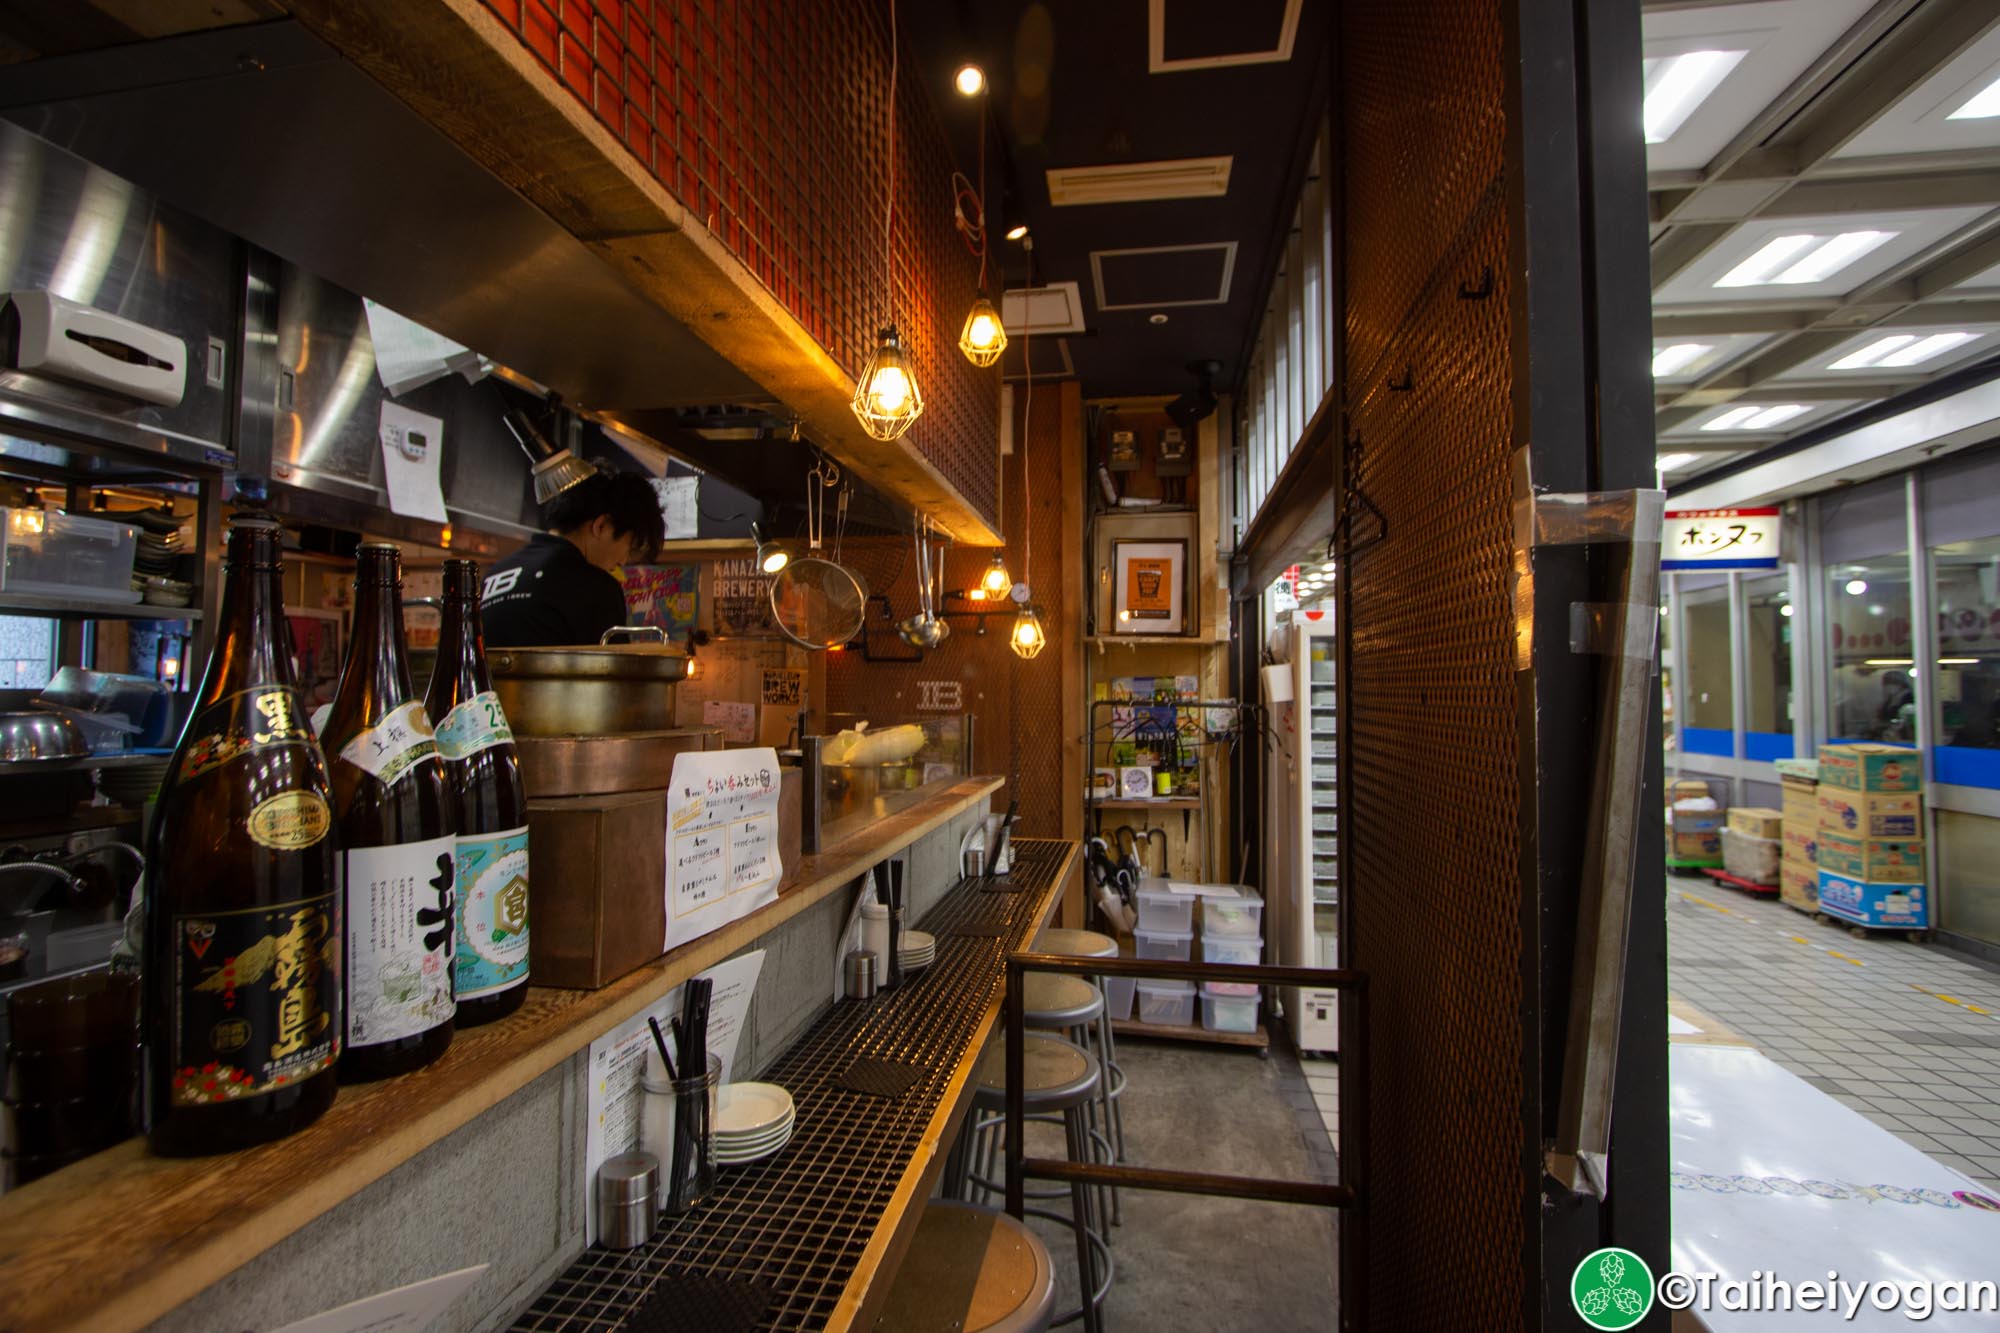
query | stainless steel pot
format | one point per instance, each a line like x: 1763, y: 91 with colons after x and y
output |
x: 26, y: 737
x: 604, y: 691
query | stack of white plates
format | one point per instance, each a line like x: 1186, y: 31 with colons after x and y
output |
x: 752, y: 1121
x: 919, y: 950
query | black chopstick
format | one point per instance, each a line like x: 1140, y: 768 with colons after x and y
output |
x: 660, y: 1040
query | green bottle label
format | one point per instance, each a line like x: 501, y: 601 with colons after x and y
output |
x: 492, y: 913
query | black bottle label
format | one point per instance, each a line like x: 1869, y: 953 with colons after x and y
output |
x: 255, y: 993
x: 243, y: 722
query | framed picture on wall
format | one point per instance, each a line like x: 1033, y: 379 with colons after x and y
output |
x: 1149, y: 587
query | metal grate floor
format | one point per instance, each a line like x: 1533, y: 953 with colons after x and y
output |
x: 801, y: 1219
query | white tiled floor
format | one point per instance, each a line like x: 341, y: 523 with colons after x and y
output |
x: 1906, y: 1034
x: 1323, y: 1077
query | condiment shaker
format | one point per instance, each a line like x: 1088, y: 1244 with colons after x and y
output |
x: 627, y: 1186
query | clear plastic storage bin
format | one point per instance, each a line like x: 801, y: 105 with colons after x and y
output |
x: 1228, y: 1013
x: 47, y: 553
x: 1240, y: 917
x: 1172, y: 946
x: 1167, y: 1003
x: 1161, y: 909
x: 1118, y: 997
x: 1235, y: 952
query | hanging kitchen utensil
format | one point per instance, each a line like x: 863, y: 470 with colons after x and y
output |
x: 925, y: 629
x: 817, y: 602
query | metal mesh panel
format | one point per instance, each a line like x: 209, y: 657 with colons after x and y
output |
x: 764, y: 117
x: 1431, y: 698
x: 1018, y: 703
x: 800, y: 1220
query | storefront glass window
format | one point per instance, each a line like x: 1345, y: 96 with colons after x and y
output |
x: 1873, y: 696
x: 1768, y: 643
x: 1967, y: 594
x: 1704, y: 665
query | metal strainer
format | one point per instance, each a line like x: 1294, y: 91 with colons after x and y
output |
x: 816, y: 602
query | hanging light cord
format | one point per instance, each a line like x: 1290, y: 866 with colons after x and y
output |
x: 969, y: 204
x: 1027, y: 425
x: 889, y: 211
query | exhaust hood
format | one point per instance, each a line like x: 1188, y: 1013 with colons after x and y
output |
x: 266, y: 132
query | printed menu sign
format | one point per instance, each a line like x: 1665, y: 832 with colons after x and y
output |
x: 722, y: 839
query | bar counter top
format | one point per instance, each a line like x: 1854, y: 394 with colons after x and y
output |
x: 815, y: 1233
x: 123, y: 1237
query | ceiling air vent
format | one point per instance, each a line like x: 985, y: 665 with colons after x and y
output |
x: 1056, y: 308
x: 1139, y: 182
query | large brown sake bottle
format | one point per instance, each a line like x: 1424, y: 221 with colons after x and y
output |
x: 242, y: 1009
x: 393, y: 817
x: 490, y: 810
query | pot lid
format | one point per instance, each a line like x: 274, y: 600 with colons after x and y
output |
x: 621, y: 661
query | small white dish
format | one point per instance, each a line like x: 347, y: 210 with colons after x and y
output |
x: 748, y: 1108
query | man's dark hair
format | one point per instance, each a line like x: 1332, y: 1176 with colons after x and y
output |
x: 627, y: 498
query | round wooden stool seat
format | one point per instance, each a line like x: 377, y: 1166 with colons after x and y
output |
x: 1060, y: 1074
x: 971, y: 1269
x: 1076, y: 943
x: 1060, y: 1002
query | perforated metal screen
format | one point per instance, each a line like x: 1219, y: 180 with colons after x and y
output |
x: 1431, y: 702
x: 1018, y: 703
x: 765, y: 118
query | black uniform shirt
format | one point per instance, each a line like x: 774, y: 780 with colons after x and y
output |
x: 546, y: 594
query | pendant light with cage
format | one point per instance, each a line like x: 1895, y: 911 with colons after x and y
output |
x: 983, y: 337
x: 886, y: 398
x: 1027, y: 638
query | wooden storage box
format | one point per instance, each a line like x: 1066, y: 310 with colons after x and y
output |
x: 597, y: 870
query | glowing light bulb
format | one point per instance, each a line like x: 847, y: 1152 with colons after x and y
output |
x: 982, y: 330
x: 1027, y: 638
x: 889, y: 391
x: 995, y: 583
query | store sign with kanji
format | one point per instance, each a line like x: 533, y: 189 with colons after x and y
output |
x: 1720, y: 539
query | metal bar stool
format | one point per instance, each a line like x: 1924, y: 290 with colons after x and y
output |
x: 1092, y: 944
x: 1062, y: 1078
x: 1075, y: 1008
x: 971, y: 1270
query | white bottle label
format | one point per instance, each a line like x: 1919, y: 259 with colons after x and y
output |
x: 395, y: 745
x: 399, y: 939
x: 474, y: 725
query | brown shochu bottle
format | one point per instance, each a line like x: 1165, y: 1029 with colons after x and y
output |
x: 393, y: 818
x: 242, y: 1009
x: 483, y: 777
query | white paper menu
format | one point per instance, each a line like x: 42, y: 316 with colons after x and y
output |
x: 722, y: 839
x: 405, y: 1310
x: 623, y: 1055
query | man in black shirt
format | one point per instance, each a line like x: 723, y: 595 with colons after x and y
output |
x: 561, y: 588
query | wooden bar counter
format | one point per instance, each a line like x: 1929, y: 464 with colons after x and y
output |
x: 123, y: 1238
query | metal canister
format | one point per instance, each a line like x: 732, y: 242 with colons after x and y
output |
x: 627, y: 1186
x: 859, y: 970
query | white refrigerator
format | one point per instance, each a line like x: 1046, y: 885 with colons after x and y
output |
x: 1301, y: 835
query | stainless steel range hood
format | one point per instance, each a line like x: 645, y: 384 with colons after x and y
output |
x: 267, y: 132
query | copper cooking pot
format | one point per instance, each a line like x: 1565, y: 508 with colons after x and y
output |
x: 606, y: 690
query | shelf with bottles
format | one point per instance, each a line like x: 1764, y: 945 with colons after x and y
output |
x: 1168, y: 741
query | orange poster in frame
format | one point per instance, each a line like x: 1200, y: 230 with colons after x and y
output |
x: 1150, y: 579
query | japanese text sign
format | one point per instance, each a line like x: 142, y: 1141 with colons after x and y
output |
x: 1720, y: 539
x: 722, y: 839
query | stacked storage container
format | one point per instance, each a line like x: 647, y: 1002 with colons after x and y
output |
x: 1231, y: 932
x: 1694, y: 837
x: 1165, y: 931
x: 1798, y: 870
x: 1752, y: 842
x: 1871, y: 837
